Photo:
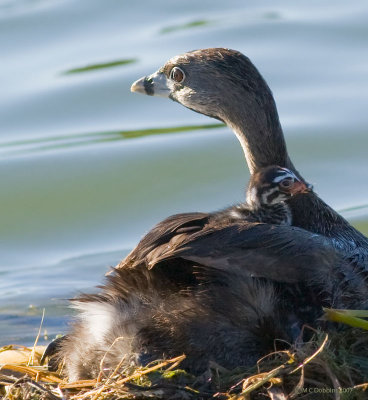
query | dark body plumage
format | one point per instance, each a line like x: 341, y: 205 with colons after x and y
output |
x: 221, y: 286
x: 153, y: 322
x: 238, y: 288
x: 313, y: 214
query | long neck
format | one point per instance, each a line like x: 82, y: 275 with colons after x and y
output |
x: 255, y: 121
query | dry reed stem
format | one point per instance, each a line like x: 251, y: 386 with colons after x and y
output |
x: 34, y: 371
x: 78, y: 384
x: 362, y: 386
x: 295, y: 392
x: 101, y: 373
x: 105, y: 385
x: 31, y: 357
x: 260, y: 379
x: 155, y: 368
x: 314, y: 355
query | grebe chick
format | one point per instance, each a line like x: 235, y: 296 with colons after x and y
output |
x: 267, y: 193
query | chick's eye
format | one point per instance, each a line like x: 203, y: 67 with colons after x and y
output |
x: 286, y: 183
x: 177, y: 75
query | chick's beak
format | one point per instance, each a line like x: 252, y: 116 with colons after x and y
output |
x: 153, y: 85
x: 299, y: 187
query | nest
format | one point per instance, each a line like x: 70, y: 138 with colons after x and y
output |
x: 328, y: 366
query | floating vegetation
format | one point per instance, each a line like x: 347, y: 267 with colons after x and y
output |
x: 93, y: 67
x: 80, y: 139
x: 329, y: 366
x: 354, y: 318
x: 273, y: 15
x: 188, y: 25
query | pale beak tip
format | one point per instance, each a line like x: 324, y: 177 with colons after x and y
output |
x: 138, y: 86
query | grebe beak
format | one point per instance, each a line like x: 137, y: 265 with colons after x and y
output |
x: 153, y: 85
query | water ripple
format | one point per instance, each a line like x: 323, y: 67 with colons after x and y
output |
x: 19, y: 147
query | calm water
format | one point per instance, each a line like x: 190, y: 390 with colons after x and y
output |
x: 86, y: 167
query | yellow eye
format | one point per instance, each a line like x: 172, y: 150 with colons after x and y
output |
x: 177, y: 75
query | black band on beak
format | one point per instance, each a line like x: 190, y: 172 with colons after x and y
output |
x: 148, y: 86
